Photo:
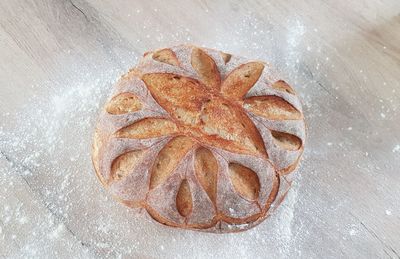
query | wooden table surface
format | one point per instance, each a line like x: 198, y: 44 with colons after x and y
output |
x: 59, y: 58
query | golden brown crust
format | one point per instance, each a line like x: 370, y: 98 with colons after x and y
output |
x: 240, y: 80
x: 206, y: 69
x: 207, y: 172
x: 226, y: 57
x: 272, y: 107
x: 245, y: 181
x: 196, y: 151
x: 166, y: 56
x: 168, y: 158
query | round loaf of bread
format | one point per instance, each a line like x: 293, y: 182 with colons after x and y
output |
x: 200, y: 139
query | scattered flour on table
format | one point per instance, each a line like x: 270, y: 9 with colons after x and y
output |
x: 50, y: 150
x: 353, y: 232
x: 287, y: 215
x: 46, y: 158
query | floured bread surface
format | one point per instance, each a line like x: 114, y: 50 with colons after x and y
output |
x: 200, y: 139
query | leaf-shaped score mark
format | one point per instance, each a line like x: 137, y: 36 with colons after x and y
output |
x: 201, y: 114
x: 148, y: 128
x: 240, y: 80
x: 286, y: 141
x: 283, y: 86
x: 228, y: 127
x: 206, y: 168
x: 184, y: 203
x: 182, y: 97
x: 125, y: 163
x: 272, y: 107
x: 166, y: 56
x: 245, y: 181
x: 168, y: 159
x: 206, y: 68
x: 226, y: 57
x: 123, y: 103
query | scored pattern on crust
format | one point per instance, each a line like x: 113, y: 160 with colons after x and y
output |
x: 199, y: 138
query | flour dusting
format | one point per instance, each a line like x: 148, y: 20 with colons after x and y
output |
x: 47, y: 162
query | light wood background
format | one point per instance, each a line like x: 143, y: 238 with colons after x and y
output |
x: 59, y: 58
